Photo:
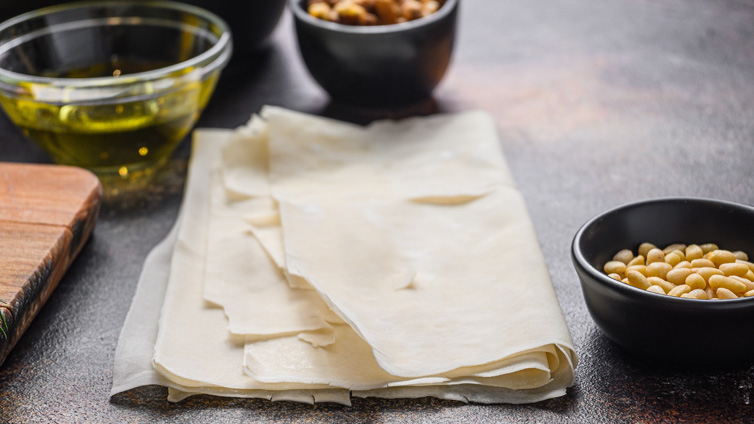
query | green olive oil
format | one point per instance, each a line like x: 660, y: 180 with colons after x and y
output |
x: 115, y: 139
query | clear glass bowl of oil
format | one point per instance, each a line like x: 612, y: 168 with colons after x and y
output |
x: 111, y: 86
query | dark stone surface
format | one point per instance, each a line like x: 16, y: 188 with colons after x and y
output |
x: 598, y: 103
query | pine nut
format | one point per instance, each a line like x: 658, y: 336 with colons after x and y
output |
x: 639, y: 260
x: 672, y: 247
x: 658, y: 269
x: 638, y: 280
x: 655, y: 255
x: 679, y: 290
x: 724, y: 293
x: 698, y: 294
x: 695, y: 281
x: 693, y: 252
x: 749, y: 284
x: 719, y: 281
x: 679, y: 253
x: 645, y: 248
x: 656, y: 289
x: 747, y: 263
x: 734, y: 269
x: 706, y: 248
x: 684, y: 264
x: 742, y: 256
x: 673, y: 258
x: 719, y: 257
x: 639, y: 268
x: 624, y: 256
x: 657, y: 281
x: 678, y: 276
x: 615, y: 267
x: 702, y: 263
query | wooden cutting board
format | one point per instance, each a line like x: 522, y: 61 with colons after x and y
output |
x: 47, y: 213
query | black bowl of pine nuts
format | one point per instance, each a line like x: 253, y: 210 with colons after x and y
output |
x: 672, y: 279
x: 376, y: 53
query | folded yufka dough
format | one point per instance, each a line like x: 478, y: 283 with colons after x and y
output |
x: 349, y: 362
x: 415, y: 235
x: 197, y: 356
x: 412, y: 232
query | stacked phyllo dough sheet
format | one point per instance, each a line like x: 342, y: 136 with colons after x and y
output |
x: 315, y: 260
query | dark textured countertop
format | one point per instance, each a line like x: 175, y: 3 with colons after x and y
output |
x: 598, y: 103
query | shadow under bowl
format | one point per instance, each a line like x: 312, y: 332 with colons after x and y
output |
x: 661, y: 327
x: 375, y: 66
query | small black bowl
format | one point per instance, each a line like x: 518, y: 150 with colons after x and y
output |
x: 704, y: 332
x: 384, y: 65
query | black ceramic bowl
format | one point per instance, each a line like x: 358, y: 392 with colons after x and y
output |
x: 385, y: 65
x: 703, y: 332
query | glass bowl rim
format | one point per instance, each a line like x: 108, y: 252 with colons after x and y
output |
x: 223, y: 44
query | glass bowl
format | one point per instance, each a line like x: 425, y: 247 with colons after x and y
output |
x: 111, y: 86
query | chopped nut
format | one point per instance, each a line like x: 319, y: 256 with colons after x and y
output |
x: 372, y: 12
x: 320, y: 10
x: 411, y: 9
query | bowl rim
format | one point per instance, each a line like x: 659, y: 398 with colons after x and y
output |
x: 219, y: 51
x: 301, y: 14
x: 646, y: 296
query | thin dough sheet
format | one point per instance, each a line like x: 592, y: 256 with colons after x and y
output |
x: 193, y: 347
x: 245, y: 161
x: 312, y: 155
x: 244, y: 280
x: 349, y: 363
x: 414, y: 225
x: 466, y: 284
